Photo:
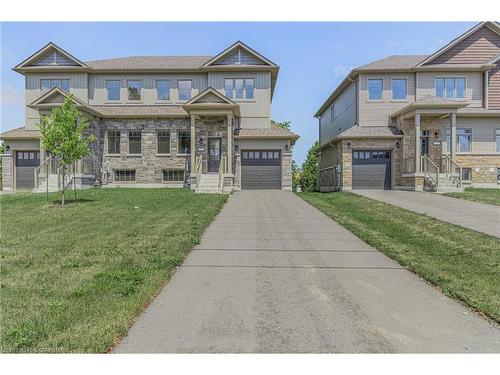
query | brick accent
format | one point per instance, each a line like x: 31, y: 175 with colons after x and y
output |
x: 286, y: 171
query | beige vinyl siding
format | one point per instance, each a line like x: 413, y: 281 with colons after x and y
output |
x: 78, y: 87
x: 23, y: 144
x: 483, y: 133
x: 264, y: 144
x: 473, y: 85
x: 481, y: 46
x: 377, y: 112
x: 98, y: 94
x: 345, y: 115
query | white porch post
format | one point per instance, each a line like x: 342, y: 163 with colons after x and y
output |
x: 453, y: 135
x: 417, y: 143
x: 229, y: 143
x: 193, y: 141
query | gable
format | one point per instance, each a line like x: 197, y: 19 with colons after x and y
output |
x: 54, y: 58
x: 239, y: 57
x: 478, y: 48
x: 210, y: 98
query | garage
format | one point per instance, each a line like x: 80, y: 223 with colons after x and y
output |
x: 26, y: 162
x: 371, y: 170
x: 260, y: 169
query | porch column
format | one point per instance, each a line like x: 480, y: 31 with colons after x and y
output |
x: 229, y: 143
x: 193, y: 142
x: 417, y: 143
x: 453, y: 135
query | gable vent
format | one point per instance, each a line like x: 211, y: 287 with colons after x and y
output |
x: 54, y: 58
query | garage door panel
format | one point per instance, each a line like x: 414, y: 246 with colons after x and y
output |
x: 371, y: 170
x: 260, y: 172
x: 25, y: 177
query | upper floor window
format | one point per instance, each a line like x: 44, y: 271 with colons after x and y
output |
x: 113, y: 141
x: 450, y: 87
x: 163, y: 89
x: 375, y: 89
x: 332, y: 114
x: 134, y: 88
x: 497, y: 139
x: 399, y: 88
x: 239, y: 88
x: 163, y: 142
x: 184, y: 87
x: 134, y: 141
x: 48, y: 84
x: 113, y: 88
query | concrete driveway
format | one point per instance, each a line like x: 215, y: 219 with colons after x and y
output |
x: 481, y: 217
x: 273, y: 274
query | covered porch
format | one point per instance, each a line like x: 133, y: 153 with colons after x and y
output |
x: 212, y: 122
x: 429, y: 145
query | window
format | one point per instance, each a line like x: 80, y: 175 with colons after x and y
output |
x: 498, y: 175
x: 239, y: 88
x: 163, y: 89
x: 399, y: 89
x: 124, y: 175
x: 463, y: 141
x: 497, y: 139
x: 332, y: 114
x: 450, y: 87
x: 466, y: 174
x: 48, y: 84
x: 375, y: 89
x: 134, y: 141
x: 134, y: 88
x: 184, y: 141
x: 184, y: 90
x: 113, y: 142
x: 163, y: 142
x: 171, y: 175
x: 113, y: 88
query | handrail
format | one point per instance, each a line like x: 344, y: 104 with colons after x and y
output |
x: 426, y: 163
x: 451, y: 167
x: 46, y: 165
x: 222, y: 170
x: 198, y: 170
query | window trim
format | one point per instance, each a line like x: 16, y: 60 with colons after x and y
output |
x: 179, y: 143
x: 173, y: 170
x: 119, y: 144
x: 373, y: 78
x: 233, y: 90
x: 119, y: 91
x: 392, y: 89
x: 140, y: 92
x: 497, y: 134
x: 179, y: 90
x: 169, y: 142
x: 332, y: 114
x: 169, y: 93
x: 470, y: 175
x: 457, y: 151
x: 115, y: 171
x: 128, y: 142
x: 454, y: 89
x: 55, y: 79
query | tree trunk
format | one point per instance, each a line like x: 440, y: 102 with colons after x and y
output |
x: 74, y: 180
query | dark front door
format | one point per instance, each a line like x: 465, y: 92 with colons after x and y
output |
x: 424, y: 149
x: 371, y: 169
x: 214, y: 153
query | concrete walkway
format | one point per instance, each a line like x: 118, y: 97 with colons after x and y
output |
x: 481, y: 217
x: 273, y: 274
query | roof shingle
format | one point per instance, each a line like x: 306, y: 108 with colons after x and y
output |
x: 20, y: 133
x: 150, y: 62
x: 394, y: 62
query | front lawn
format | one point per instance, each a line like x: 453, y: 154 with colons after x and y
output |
x: 465, y: 264
x: 491, y: 196
x: 74, y: 278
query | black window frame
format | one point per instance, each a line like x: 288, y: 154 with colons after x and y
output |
x: 464, y: 171
x: 124, y: 175
x: 182, y: 136
x: 163, y: 138
x: 134, y: 139
x: 174, y: 175
x: 117, y: 135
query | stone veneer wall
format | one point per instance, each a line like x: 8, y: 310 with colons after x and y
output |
x: 286, y: 171
x: 148, y: 166
x: 206, y: 128
x: 484, y: 168
x: 7, y: 178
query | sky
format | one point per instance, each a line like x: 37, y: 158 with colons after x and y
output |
x: 313, y: 57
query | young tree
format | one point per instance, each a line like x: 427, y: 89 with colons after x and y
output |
x: 309, y: 173
x: 295, y: 175
x: 285, y: 124
x: 61, y: 134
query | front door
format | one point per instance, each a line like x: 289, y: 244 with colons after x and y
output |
x: 424, y: 143
x: 214, y: 153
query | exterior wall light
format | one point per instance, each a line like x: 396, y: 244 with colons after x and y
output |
x: 349, y: 145
x: 398, y: 145
x: 236, y: 148
x: 200, y: 141
x: 286, y: 147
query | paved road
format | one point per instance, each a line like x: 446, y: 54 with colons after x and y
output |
x: 273, y: 274
x: 481, y: 217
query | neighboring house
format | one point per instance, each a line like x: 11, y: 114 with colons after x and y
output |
x: 197, y: 121
x: 392, y: 123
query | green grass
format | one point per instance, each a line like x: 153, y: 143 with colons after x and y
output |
x: 73, y: 279
x: 491, y: 196
x: 462, y: 262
